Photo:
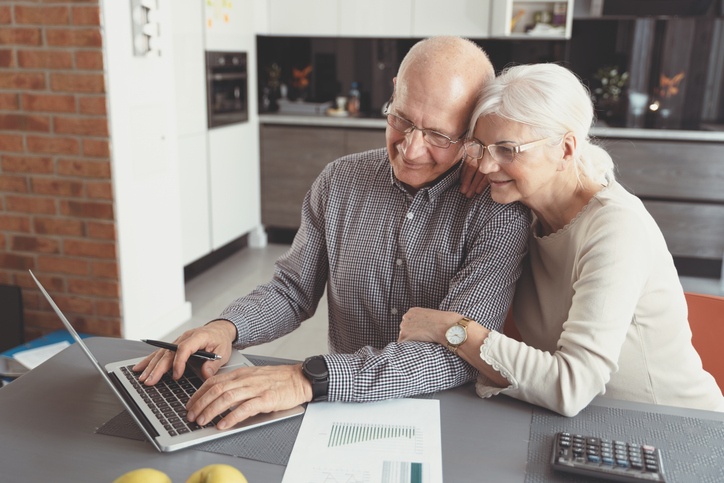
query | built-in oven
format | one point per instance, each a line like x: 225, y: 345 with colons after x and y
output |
x: 226, y: 88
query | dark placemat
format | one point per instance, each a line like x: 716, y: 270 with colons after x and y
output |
x: 692, y: 449
x: 271, y: 443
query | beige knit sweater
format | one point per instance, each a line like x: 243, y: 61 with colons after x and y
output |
x: 602, y: 312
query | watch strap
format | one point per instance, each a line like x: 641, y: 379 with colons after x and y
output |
x: 315, y: 370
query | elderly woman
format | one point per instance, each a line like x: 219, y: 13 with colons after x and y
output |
x: 599, y: 305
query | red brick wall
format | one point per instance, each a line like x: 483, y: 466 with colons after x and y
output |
x: 56, y: 198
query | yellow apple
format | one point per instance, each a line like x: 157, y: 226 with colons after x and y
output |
x: 217, y: 474
x: 143, y: 475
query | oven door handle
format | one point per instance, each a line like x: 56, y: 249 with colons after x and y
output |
x: 223, y: 77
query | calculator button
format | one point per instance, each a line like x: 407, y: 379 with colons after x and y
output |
x: 622, y: 463
x: 607, y: 460
x: 594, y: 458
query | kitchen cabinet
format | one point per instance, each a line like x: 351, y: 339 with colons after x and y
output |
x: 680, y: 185
x: 190, y: 101
x: 466, y: 18
x: 376, y: 18
x: 679, y: 182
x: 509, y: 18
x: 194, y: 200
x: 233, y: 150
x: 289, y: 168
x: 218, y: 167
x: 234, y: 180
x: 307, y: 17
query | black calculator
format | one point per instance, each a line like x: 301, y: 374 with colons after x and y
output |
x: 607, y: 459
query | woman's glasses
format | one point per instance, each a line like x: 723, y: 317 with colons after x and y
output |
x: 501, y: 153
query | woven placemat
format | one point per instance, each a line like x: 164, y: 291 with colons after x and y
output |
x: 692, y: 449
x: 271, y: 443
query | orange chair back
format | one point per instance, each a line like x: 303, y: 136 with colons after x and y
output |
x: 706, y: 319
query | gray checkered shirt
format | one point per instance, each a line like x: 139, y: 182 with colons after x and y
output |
x: 380, y: 251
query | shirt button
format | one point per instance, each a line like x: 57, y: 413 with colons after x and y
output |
x: 399, y: 261
x: 393, y: 311
x: 410, y: 216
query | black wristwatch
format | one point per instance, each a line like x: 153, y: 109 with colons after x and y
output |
x: 315, y: 369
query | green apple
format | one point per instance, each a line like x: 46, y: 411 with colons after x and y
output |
x: 217, y: 474
x: 143, y: 475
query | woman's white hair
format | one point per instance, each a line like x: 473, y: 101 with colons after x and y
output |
x: 552, y: 101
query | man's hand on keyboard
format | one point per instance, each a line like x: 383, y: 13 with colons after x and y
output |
x: 251, y: 390
x: 216, y: 337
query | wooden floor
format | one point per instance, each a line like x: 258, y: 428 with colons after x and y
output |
x: 211, y: 291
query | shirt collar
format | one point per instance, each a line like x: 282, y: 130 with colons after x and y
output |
x: 432, y: 192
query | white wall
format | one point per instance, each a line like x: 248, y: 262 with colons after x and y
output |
x: 144, y: 162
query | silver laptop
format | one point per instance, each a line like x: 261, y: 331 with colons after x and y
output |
x: 159, y: 411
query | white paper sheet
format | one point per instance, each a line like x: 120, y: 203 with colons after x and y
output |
x: 395, y: 441
x: 32, y: 358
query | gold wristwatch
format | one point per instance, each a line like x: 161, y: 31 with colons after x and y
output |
x: 457, y: 334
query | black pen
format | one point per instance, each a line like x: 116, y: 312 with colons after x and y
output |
x: 173, y: 347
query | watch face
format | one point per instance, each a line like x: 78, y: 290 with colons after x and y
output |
x: 456, y: 335
x: 316, y: 366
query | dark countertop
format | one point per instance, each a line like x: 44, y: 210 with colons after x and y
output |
x: 380, y: 123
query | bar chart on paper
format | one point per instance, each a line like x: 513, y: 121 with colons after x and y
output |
x: 376, y: 437
x: 394, y: 441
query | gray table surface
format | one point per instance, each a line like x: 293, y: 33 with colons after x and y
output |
x: 49, y: 418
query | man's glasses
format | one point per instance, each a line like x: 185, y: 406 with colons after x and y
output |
x: 402, y: 125
x: 501, y: 153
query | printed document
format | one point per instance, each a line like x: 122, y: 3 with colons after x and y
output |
x: 395, y: 441
x: 32, y: 358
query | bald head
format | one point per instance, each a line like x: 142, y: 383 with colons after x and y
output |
x: 454, y: 66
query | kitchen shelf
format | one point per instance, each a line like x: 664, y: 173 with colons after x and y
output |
x: 504, y: 12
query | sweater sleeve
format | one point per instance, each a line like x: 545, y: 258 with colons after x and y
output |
x: 613, y: 260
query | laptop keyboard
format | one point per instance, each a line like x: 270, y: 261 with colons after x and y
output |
x: 168, y: 398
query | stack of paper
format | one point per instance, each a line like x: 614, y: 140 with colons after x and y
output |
x: 23, y: 361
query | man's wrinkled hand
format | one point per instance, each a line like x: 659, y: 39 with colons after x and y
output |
x: 216, y: 337
x: 249, y: 391
x: 472, y: 180
x: 426, y: 325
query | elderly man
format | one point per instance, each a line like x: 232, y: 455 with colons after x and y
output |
x: 385, y: 231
